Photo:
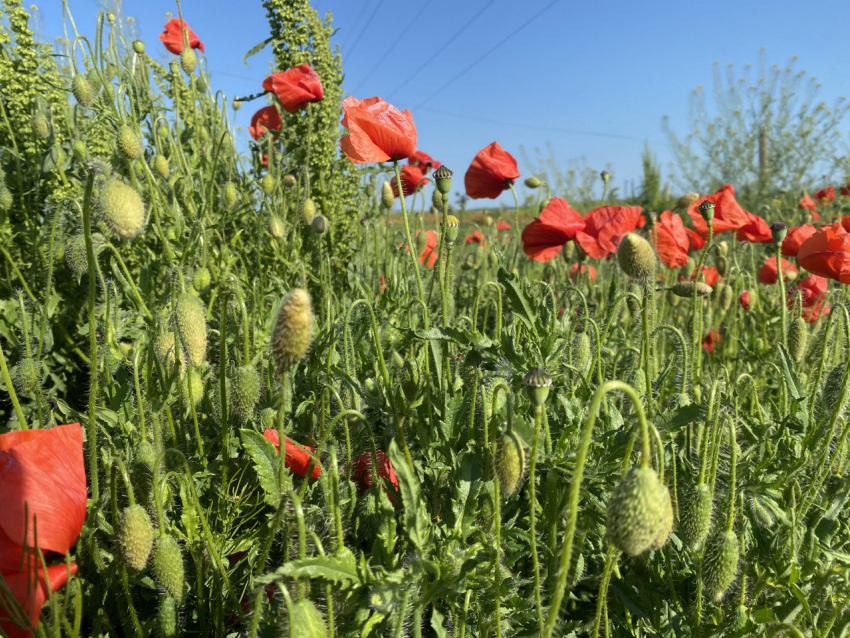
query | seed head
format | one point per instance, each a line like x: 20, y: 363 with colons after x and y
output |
x: 122, y: 209
x: 293, y: 329
x: 779, y: 230
x: 443, y: 179
x: 128, y: 143
x: 168, y: 566
x: 706, y: 209
x: 192, y: 327
x: 537, y: 383
x: 636, y: 257
x: 636, y: 511
x: 135, y: 537
x: 236, y: 104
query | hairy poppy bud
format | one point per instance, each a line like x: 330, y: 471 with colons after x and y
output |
x: 75, y: 255
x: 138, y: 46
x: 201, y: 279
x: 510, y: 463
x: 6, y: 198
x: 289, y: 181
x: 387, y: 197
x: 229, y: 195
x: 532, y: 182
x: 192, y: 327
x: 720, y: 564
x: 236, y: 104
x: 268, y: 418
x: 193, y: 386
x: 27, y: 375
x: 168, y: 566
x: 308, y: 211
x: 727, y: 296
x: 410, y: 379
x: 146, y: 455
x: 306, y: 621
x: 452, y: 228
x: 164, y: 348
x: 636, y: 257
x: 666, y: 525
x: 437, y: 199
x: 320, y: 225
x: 722, y: 266
x: 40, y: 125
x: 293, y: 329
x: 537, y: 383
x: 581, y: 351
x: 128, y: 142
x: 636, y: 511
x: 245, y: 391
x: 201, y: 87
x: 759, y: 513
x: 276, y: 227
x: 798, y: 333
x: 706, y: 209
x: 82, y: 90
x: 695, y: 515
x: 779, y: 230
x: 166, y: 617
x: 160, y: 165
x: 686, y: 289
x: 686, y: 200
x: 135, y: 537
x: 188, y: 60
x: 122, y: 209
x: 723, y: 248
x: 443, y: 179
x: 267, y: 184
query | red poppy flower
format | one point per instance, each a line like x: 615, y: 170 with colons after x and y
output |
x: 710, y: 275
x: 503, y: 225
x: 806, y: 203
x: 557, y: 224
x: 811, y: 290
x: 768, y: 275
x: 710, y: 341
x: 827, y: 253
x: 43, y: 485
x: 377, y: 131
x: 30, y: 592
x: 697, y: 241
x: 172, y: 37
x: 815, y: 216
x: 825, y: 194
x: 490, y: 173
x: 574, y: 270
x: 428, y: 256
x: 744, y: 299
x: 845, y: 222
x: 383, y: 284
x: 298, y: 457
x: 728, y: 214
x: 671, y: 241
x: 475, y: 238
x: 265, y: 120
x: 605, y: 227
x: 412, y: 179
x: 423, y: 161
x: 795, y: 238
x: 820, y: 309
x: 755, y: 231
x: 845, y: 191
x: 295, y: 87
x: 361, y: 472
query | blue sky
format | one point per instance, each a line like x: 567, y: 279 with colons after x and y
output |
x: 592, y: 78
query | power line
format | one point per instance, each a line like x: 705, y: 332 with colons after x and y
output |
x: 364, y: 29
x: 354, y: 26
x: 489, y: 52
x: 447, y: 43
x: 386, y: 54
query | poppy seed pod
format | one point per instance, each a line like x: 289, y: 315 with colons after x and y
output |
x: 695, y: 516
x: 168, y: 566
x: 201, y: 279
x: 636, y: 511
x: 720, y: 564
x: 192, y: 327
x: 135, y: 537
x: 320, y: 225
x: 245, y: 391
x: 537, y: 383
x: 706, y: 209
x: 452, y: 228
x: 387, y: 197
x: 605, y: 176
x: 798, y: 333
x: 229, y: 195
x: 6, y: 198
x: 532, y: 182
x: 82, y: 90
x: 276, y: 227
x: 308, y: 210
x: 779, y: 230
x: 510, y: 463
x: 306, y: 621
x: 293, y: 329
x: 636, y: 256
x: 686, y: 289
x: 188, y: 60
x: 443, y: 179
x: 122, y: 209
x: 128, y: 143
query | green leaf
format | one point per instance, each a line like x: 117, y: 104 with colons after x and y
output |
x: 518, y: 302
x: 266, y: 462
x: 408, y: 485
x: 254, y: 50
x: 339, y: 569
x: 795, y: 387
x: 437, y: 623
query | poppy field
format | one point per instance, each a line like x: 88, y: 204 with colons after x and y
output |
x: 281, y: 385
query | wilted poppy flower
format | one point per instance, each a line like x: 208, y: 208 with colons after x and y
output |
x: 172, y: 37
x: 605, y: 227
x: 755, y: 231
x: 295, y: 87
x: 475, y: 238
x: 30, y: 591
x: 744, y: 299
x: 795, y: 238
x: 298, y: 457
x: 768, y: 275
x: 671, y: 241
x: 557, y: 224
x: 728, y: 214
x: 827, y: 253
x: 710, y: 341
x: 263, y: 121
x: 574, y: 270
x: 825, y: 194
x: 377, y: 131
x: 428, y: 256
x: 423, y: 161
x: 361, y: 472
x: 492, y: 171
x: 412, y: 179
x: 806, y: 203
x: 503, y: 225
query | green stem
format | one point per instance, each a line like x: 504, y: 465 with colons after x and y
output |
x: 410, y: 245
x: 91, y: 425
x: 532, y: 514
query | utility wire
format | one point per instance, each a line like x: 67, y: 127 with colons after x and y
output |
x: 364, y: 29
x: 392, y: 47
x: 488, y: 52
x: 445, y: 44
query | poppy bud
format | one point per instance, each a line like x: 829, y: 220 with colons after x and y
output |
x: 723, y: 248
x: 236, y: 105
x: 245, y: 391
x: 289, y: 181
x: 193, y: 386
x: 166, y: 617
x: 135, y: 537
x: 510, y: 463
x: 387, y: 197
x: 229, y: 195
x: 276, y: 227
x: 145, y: 455
x: 320, y: 225
x: 720, y: 564
x: 686, y: 200
x: 188, y: 60
x: 722, y: 266
x: 452, y: 228
x: 798, y: 333
x: 686, y: 289
x: 293, y: 329
x: 695, y: 513
x: 82, y: 90
x: 706, y: 209
x: 40, y: 125
x: 779, y: 230
x: 410, y: 379
x: 581, y: 351
x: 532, y: 182
x: 488, y: 220
x: 75, y: 255
x: 666, y: 524
x: 201, y: 87
x: 267, y: 184
x: 537, y: 383
x: 27, y: 375
x: 443, y: 179
x: 160, y: 165
x: 164, y: 348
x: 192, y: 327
x: 543, y: 205
x: 138, y: 46
x: 437, y: 199
x: 201, y: 279
x: 308, y: 210
x: 306, y: 621
x: 122, y: 209
x: 760, y: 514
x: 636, y: 511
x: 6, y: 198
x: 168, y: 566
x: 636, y: 257
x: 268, y: 417
x: 727, y: 296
